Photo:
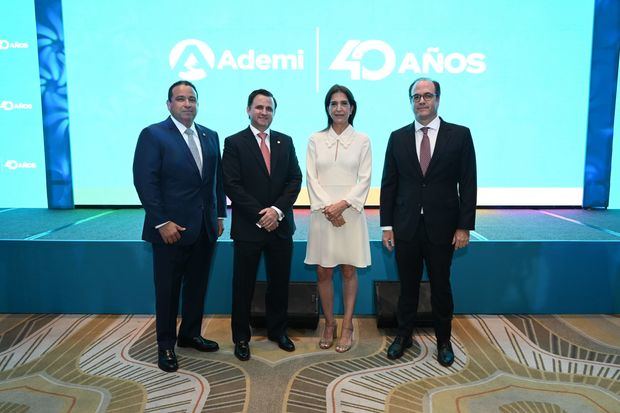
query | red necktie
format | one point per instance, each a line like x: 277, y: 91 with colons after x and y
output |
x: 425, y: 151
x: 265, y: 150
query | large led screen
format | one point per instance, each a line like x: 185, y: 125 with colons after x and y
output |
x: 516, y: 73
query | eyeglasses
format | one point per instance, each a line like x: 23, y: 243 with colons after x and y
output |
x: 427, y: 97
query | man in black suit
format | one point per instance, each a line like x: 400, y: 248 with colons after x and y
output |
x: 428, y: 207
x: 178, y: 176
x: 262, y: 179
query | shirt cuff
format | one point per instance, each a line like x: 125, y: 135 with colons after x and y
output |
x: 280, y: 214
x: 161, y: 225
x: 387, y: 228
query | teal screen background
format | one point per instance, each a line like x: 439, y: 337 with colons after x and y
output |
x: 22, y: 156
x: 527, y: 110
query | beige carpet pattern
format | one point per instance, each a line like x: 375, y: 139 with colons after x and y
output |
x: 504, y: 364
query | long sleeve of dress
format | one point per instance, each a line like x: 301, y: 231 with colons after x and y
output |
x: 319, y: 198
x: 359, y: 192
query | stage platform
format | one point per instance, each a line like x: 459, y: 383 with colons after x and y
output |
x: 528, y: 261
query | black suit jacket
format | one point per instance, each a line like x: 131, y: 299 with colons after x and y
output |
x: 170, y: 186
x: 447, y: 192
x: 251, y: 188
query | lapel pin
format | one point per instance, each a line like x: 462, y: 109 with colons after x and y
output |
x: 278, y: 141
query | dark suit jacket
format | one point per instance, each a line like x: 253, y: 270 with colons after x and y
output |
x: 170, y: 186
x: 251, y: 188
x: 447, y: 192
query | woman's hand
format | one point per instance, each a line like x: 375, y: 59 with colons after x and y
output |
x: 334, y: 211
x: 338, y: 221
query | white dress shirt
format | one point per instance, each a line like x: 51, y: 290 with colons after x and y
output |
x: 268, y: 143
x: 182, y: 128
x: 267, y: 139
x: 433, y: 128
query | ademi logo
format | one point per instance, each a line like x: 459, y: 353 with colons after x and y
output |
x: 189, y: 48
x: 196, y: 58
x: 351, y: 58
x: 10, y: 105
x: 5, y: 45
x: 12, y: 164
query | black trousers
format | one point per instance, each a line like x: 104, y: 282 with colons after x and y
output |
x: 278, y: 254
x: 180, y: 267
x: 410, y: 259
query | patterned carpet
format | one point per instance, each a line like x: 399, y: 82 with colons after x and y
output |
x: 504, y: 364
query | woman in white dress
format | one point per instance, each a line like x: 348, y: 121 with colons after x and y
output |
x: 338, y: 166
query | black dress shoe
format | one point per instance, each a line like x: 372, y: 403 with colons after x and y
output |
x: 199, y: 343
x: 167, y: 361
x: 284, y: 342
x: 445, y: 355
x: 398, y: 347
x: 242, y: 350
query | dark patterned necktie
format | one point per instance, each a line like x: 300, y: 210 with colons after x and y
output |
x: 425, y: 151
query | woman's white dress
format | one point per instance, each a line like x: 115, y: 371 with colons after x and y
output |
x: 338, y: 167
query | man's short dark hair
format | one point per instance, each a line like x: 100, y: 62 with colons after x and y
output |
x: 184, y: 83
x: 263, y: 92
x: 436, y: 83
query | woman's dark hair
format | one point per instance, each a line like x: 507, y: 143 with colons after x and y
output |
x: 350, y: 98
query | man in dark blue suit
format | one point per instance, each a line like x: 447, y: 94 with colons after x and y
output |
x: 428, y: 207
x: 262, y: 179
x: 178, y: 176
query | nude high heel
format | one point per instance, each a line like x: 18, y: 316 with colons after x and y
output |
x: 329, y: 334
x: 330, y: 331
x: 341, y: 348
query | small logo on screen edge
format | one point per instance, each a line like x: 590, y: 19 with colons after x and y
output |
x: 12, y: 164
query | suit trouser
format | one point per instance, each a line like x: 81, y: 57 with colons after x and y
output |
x: 410, y: 258
x: 278, y: 255
x: 179, y: 267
